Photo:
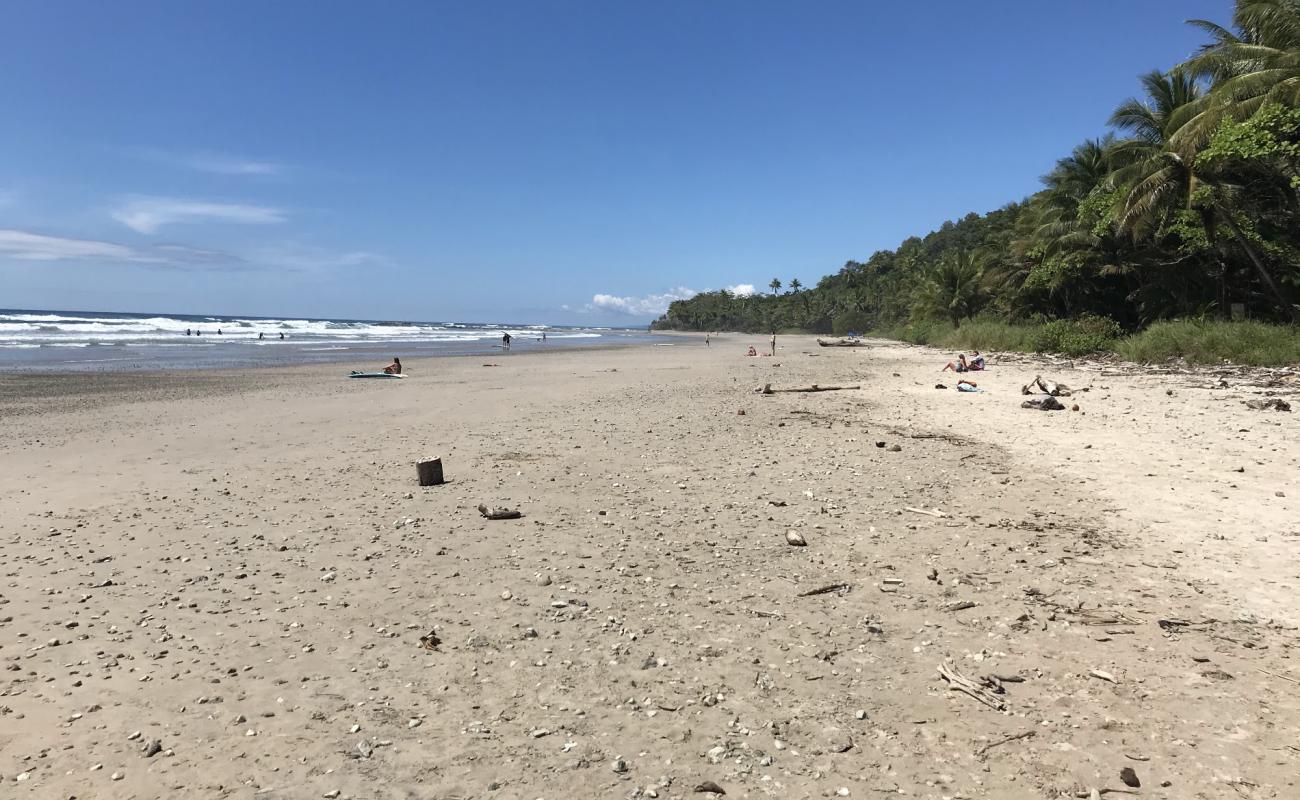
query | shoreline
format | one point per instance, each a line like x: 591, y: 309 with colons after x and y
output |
x: 243, y: 572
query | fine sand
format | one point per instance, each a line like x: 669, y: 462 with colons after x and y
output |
x: 217, y: 585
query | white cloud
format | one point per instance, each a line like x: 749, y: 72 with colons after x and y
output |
x: 148, y: 214
x: 205, y: 161
x: 305, y: 257
x: 742, y: 289
x: 230, y: 165
x: 26, y: 246
x: 651, y: 305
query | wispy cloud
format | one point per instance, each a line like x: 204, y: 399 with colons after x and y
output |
x: 651, y: 305
x: 216, y: 163
x: 27, y: 246
x: 148, y: 214
x: 306, y: 257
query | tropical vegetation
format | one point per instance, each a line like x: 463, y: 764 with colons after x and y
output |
x: 1188, y: 209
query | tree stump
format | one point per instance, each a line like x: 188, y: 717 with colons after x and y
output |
x: 429, y: 472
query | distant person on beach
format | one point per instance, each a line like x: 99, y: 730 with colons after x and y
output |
x: 281, y: 335
x: 187, y: 331
x: 394, y: 368
x: 706, y: 340
x: 505, y: 341
x: 218, y: 331
x: 543, y: 336
x: 752, y: 351
x: 977, y: 362
x: 773, y: 342
x: 261, y: 335
x: 198, y: 332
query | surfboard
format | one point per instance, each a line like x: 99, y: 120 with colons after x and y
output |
x: 374, y: 375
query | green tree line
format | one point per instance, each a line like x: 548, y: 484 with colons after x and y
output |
x: 1189, y: 207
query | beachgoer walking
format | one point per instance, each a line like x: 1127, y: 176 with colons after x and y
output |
x: 394, y: 368
x: 706, y: 340
x: 505, y: 341
x: 543, y: 336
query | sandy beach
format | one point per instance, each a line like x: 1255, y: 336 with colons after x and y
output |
x: 221, y: 584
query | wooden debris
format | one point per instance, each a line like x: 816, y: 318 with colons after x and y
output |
x: 1102, y: 675
x: 1016, y: 737
x: 935, y: 513
x: 960, y: 605
x: 767, y: 389
x: 498, y: 513
x: 842, y: 588
x: 960, y: 683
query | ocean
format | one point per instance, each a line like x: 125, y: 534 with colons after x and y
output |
x: 51, y: 341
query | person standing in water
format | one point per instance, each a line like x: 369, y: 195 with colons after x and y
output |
x: 505, y: 340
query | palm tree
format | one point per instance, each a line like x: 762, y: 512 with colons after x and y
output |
x: 953, y: 289
x: 775, y: 285
x: 795, y: 285
x: 1159, y: 176
x: 1257, y: 64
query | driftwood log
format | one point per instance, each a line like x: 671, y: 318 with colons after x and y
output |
x: 841, y: 343
x: 767, y: 389
x: 429, y: 472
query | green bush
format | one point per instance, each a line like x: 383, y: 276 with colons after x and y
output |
x: 1078, y: 337
x: 1212, y: 342
x: 990, y: 333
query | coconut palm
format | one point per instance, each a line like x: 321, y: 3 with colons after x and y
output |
x: 795, y: 285
x: 1250, y: 67
x: 953, y: 289
x: 775, y: 285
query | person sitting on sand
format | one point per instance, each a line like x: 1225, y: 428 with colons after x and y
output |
x: 752, y: 351
x: 394, y: 368
x: 976, y: 362
x: 959, y: 365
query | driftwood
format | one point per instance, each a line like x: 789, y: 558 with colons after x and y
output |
x: 935, y: 513
x: 834, y: 587
x: 841, y: 343
x: 498, y: 513
x: 767, y: 389
x: 1046, y: 387
x: 958, y: 682
x: 1027, y: 734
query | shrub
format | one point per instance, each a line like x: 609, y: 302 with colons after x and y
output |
x: 1078, y: 337
x: 1212, y: 342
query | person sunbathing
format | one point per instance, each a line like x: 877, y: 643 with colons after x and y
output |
x: 959, y: 365
x: 394, y: 368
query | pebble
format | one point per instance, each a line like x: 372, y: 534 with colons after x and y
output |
x: 619, y: 766
x: 860, y: 714
x: 413, y: 723
x: 506, y: 595
x: 328, y: 577
x: 117, y: 776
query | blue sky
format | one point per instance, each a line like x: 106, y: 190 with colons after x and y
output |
x: 563, y: 162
